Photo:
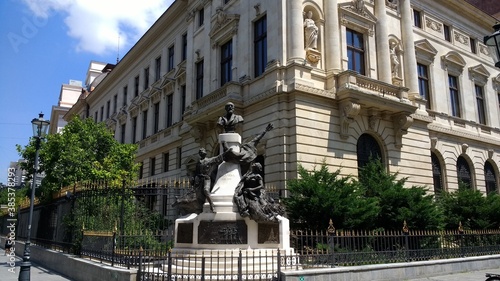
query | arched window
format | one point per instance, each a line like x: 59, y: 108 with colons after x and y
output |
x: 490, y: 178
x: 367, y: 149
x: 437, y: 174
x: 463, y: 172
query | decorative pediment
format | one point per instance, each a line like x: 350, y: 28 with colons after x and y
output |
x: 156, y: 96
x: 355, y: 15
x: 453, y: 59
x: 122, y: 115
x: 479, y: 72
x: 180, y: 74
x: 425, y: 50
x: 133, y: 109
x: 224, y: 27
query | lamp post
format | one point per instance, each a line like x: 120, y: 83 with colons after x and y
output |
x: 493, y: 40
x: 40, y: 127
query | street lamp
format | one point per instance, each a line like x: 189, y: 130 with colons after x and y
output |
x: 40, y: 127
x: 493, y: 40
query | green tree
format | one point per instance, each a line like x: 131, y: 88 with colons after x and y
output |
x: 319, y: 195
x: 84, y: 150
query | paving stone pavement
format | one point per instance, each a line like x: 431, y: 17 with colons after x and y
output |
x: 466, y: 276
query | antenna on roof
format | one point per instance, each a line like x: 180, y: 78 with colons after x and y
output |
x: 118, y: 49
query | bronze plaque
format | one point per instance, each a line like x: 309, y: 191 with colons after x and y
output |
x: 185, y: 233
x: 269, y: 233
x: 223, y: 232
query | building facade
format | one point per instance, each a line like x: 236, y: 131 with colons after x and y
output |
x: 410, y: 82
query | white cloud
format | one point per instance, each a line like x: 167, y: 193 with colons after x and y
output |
x: 97, y: 24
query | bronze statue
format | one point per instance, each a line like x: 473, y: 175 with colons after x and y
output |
x: 230, y: 120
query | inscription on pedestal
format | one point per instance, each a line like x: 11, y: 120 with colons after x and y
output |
x: 185, y: 233
x: 269, y: 233
x: 223, y: 232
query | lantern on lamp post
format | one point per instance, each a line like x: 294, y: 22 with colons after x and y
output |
x: 493, y: 40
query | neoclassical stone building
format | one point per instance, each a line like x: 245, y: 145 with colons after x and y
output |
x: 341, y: 80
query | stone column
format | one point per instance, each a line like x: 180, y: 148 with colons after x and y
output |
x: 295, y: 34
x: 332, y: 36
x: 410, y: 60
x: 382, y: 39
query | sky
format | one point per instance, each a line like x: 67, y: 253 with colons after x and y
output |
x: 47, y: 43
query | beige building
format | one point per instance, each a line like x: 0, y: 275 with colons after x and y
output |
x: 408, y: 81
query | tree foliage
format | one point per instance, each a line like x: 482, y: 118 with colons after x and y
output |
x: 84, y: 150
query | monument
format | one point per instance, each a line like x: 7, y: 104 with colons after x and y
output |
x: 237, y: 217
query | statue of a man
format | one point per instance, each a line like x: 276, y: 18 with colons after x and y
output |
x: 229, y: 120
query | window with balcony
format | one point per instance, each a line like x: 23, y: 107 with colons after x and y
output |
x: 480, y: 104
x: 199, y: 79
x: 170, y: 64
x: 355, y: 51
x: 158, y: 68
x: 454, y: 95
x: 144, y: 124
x: 423, y: 83
x: 226, y: 62
x: 260, y: 46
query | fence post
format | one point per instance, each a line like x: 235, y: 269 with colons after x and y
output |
x: 331, y: 243
x: 203, y: 268
x: 405, y: 234
x: 461, y: 232
x: 122, y: 209
x: 139, y: 271
x: 113, y: 248
x: 240, y: 266
x: 278, y: 272
x: 169, y: 261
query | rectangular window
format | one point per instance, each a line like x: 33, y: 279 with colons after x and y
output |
x: 108, y: 108
x: 480, y: 104
x: 157, y: 68
x: 156, y: 117
x: 447, y: 33
x: 115, y: 103
x: 473, y: 45
x: 183, y: 99
x: 146, y: 78
x: 102, y: 113
x: 152, y: 166
x: 95, y: 117
x: 136, y: 86
x: 144, y: 124
x: 141, y: 169
x: 260, y: 46
x: 179, y: 157
x: 170, y: 58
x: 166, y: 158
x: 184, y: 46
x: 125, y: 96
x: 226, y: 62
x: 199, y: 79
x: 423, y: 83
x: 417, y: 19
x: 170, y: 106
x: 454, y: 95
x: 201, y: 17
x: 355, y: 51
x: 134, y: 129
x: 122, y: 133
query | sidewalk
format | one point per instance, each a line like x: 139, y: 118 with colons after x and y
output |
x: 468, y: 276
x: 7, y: 273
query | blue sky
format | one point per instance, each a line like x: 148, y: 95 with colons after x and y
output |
x: 46, y: 43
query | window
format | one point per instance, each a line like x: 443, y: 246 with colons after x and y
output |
x: 166, y: 158
x: 144, y: 124
x: 437, y: 174
x: 141, y: 169
x: 183, y: 99
x: 417, y: 19
x: 490, y: 178
x: 260, y: 46
x: 226, y: 62
x: 480, y: 104
x: 201, y: 17
x: 122, y: 133
x: 136, y: 86
x: 473, y: 45
x: 423, y: 83
x: 367, y: 149
x: 463, y: 172
x: 199, y: 79
x: 95, y: 116
x: 184, y: 46
x: 156, y: 117
x: 102, y: 113
x: 447, y: 33
x: 108, y: 108
x: 134, y: 129
x: 170, y: 105
x: 115, y: 103
x: 146, y: 78
x: 152, y: 166
x: 179, y: 157
x: 125, y: 94
x: 355, y: 51
x: 454, y: 95
x: 157, y: 68
x: 170, y: 58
